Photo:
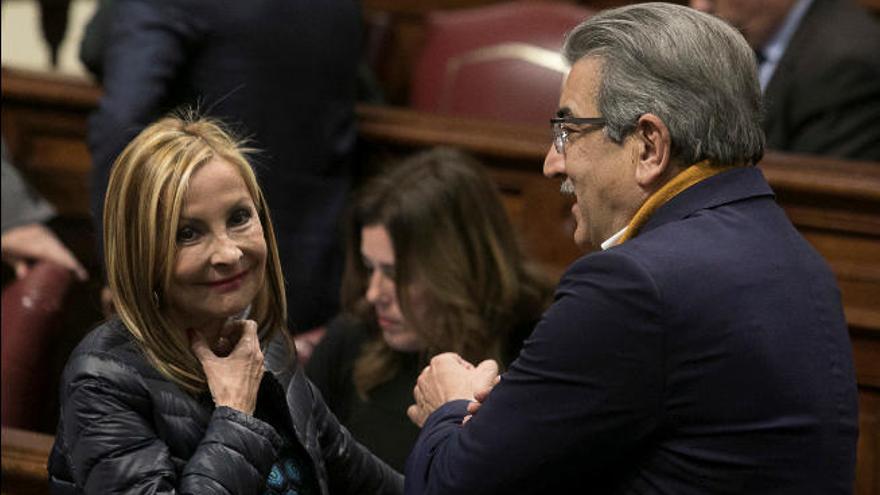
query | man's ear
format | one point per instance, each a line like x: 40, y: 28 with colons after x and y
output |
x: 654, y: 151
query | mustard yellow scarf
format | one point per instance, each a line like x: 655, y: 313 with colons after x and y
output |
x: 694, y: 174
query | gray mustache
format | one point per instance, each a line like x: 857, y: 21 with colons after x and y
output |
x: 567, y: 187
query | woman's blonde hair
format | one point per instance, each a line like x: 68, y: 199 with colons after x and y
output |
x: 141, y: 214
x: 454, y: 244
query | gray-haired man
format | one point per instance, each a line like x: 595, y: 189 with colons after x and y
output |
x: 704, y: 348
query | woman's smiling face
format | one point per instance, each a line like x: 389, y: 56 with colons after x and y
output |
x: 220, y: 264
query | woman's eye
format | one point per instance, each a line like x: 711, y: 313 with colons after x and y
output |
x: 368, y: 268
x: 186, y: 234
x: 387, y: 271
x: 240, y: 217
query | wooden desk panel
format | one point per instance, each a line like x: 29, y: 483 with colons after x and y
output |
x: 25, y: 455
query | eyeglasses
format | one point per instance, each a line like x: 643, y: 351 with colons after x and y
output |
x: 561, y: 132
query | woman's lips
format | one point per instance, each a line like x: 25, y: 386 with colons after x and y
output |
x: 228, y: 284
x: 387, y: 323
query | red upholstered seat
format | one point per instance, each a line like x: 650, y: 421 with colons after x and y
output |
x: 30, y: 322
x: 499, y: 61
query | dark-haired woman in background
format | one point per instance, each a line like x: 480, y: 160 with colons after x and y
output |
x: 432, y: 265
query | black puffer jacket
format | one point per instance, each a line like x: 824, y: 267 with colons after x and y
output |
x: 124, y: 428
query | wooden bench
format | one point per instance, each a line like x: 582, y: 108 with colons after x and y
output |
x: 24, y: 462
x: 834, y: 203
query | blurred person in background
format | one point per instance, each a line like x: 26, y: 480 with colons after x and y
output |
x: 819, y: 69
x: 432, y: 265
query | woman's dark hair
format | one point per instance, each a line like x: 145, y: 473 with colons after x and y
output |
x: 454, y: 244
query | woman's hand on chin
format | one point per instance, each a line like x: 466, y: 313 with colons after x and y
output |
x: 234, y: 366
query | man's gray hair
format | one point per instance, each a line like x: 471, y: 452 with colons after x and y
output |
x: 692, y: 70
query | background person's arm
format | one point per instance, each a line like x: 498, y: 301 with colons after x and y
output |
x: 147, y: 44
x: 25, y: 239
x: 25, y: 244
x: 844, y: 121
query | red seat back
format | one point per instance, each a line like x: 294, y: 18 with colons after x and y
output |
x: 30, y: 321
x: 500, y: 61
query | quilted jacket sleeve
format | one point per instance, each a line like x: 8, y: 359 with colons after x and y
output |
x: 113, y: 446
x: 351, y: 467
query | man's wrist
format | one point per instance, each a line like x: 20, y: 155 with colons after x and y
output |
x: 454, y: 410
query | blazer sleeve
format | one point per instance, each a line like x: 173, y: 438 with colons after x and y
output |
x: 113, y: 446
x: 145, y: 50
x: 583, y: 393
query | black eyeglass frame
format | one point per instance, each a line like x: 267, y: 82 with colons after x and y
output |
x: 561, y: 133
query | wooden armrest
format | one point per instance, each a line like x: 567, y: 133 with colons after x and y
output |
x: 25, y: 455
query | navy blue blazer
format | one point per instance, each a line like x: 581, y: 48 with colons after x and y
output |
x: 709, y: 354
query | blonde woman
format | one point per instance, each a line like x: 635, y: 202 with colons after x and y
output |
x: 193, y: 388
